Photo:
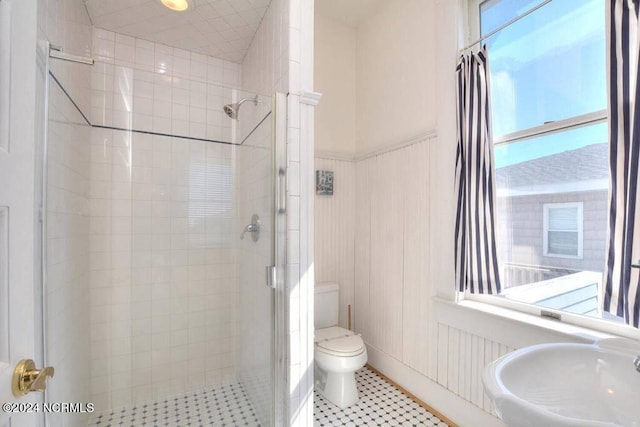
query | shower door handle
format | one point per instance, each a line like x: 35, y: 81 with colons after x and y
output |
x: 281, y: 191
x: 271, y: 276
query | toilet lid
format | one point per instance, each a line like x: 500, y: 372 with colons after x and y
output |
x: 350, y: 345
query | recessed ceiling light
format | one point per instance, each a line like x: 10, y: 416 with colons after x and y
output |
x: 177, y: 5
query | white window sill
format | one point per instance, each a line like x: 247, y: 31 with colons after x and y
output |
x: 520, y: 329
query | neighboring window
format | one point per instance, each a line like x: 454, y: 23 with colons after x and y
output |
x: 562, y: 236
x: 549, y: 100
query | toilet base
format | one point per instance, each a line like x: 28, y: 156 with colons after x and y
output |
x: 340, y: 389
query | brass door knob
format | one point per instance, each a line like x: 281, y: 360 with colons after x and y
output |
x: 26, y: 378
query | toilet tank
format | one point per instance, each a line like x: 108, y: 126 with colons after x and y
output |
x: 326, y: 303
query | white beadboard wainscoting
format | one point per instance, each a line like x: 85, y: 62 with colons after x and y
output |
x: 466, y: 338
x: 461, y: 358
x: 391, y: 291
x: 372, y: 231
x: 335, y: 232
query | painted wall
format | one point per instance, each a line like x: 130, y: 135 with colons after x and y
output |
x: 335, y: 147
x: 354, y: 68
x: 20, y: 229
x: 335, y: 71
x: 396, y: 74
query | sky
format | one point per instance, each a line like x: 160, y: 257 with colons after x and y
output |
x: 546, y: 67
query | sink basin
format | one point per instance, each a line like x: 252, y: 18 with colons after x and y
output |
x: 585, y: 385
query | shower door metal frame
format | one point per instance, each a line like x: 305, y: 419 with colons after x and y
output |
x: 278, y: 184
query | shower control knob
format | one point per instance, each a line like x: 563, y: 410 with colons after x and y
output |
x: 253, y: 228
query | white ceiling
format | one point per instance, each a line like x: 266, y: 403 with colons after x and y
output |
x: 220, y: 28
x: 349, y: 12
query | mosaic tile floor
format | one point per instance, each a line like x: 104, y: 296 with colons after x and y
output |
x: 381, y: 404
x: 223, y: 406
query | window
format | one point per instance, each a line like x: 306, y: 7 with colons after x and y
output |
x: 549, y: 99
x: 562, y: 230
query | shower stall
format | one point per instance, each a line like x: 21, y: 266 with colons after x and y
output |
x: 163, y: 234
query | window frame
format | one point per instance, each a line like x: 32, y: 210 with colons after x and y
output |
x: 545, y: 228
x: 472, y: 33
x: 472, y: 16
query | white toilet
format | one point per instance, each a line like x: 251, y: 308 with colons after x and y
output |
x: 339, y: 352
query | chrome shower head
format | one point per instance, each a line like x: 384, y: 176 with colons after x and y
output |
x: 232, y: 109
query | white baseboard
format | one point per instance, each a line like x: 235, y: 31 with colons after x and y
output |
x: 458, y: 410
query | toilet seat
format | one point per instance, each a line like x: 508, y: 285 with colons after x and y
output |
x: 348, y: 346
x: 338, y: 341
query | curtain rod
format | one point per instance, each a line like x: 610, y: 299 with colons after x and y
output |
x: 503, y: 26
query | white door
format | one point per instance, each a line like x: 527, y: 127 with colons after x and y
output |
x: 18, y: 220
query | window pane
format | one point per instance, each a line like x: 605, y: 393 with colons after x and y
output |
x: 563, y: 167
x: 563, y: 218
x: 548, y: 66
x: 498, y: 12
x: 563, y: 243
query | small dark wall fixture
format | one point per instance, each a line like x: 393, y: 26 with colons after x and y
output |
x: 324, y: 183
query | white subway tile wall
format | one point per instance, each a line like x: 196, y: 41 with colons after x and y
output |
x: 152, y: 87
x: 67, y: 190
x: 265, y: 66
x: 163, y: 261
x: 67, y: 254
x: 255, y: 335
x: 300, y: 193
x: 163, y: 267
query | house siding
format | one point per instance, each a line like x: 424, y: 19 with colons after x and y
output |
x: 520, y: 230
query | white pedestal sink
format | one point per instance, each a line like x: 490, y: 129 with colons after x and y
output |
x: 581, y: 385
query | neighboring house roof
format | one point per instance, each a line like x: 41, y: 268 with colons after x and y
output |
x: 584, y: 169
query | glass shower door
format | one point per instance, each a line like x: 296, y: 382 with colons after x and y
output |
x: 161, y: 247
x: 261, y: 225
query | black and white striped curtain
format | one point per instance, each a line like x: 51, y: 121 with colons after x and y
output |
x: 621, y: 290
x: 476, y: 264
